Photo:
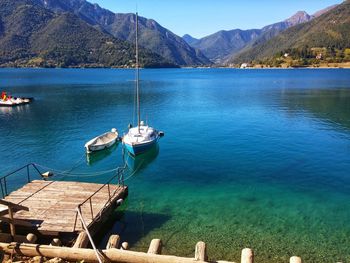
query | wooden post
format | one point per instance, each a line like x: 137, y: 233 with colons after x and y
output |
x: 12, y: 208
x: 12, y: 225
x: 201, y: 252
x: 88, y: 255
x: 247, y: 256
x: 295, y: 260
x: 155, y: 247
x: 113, y: 242
x: 82, y: 240
x: 125, y: 246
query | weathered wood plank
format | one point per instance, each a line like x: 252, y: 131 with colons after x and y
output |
x: 14, y: 207
x: 52, y: 204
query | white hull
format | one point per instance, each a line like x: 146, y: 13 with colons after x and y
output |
x: 140, y: 140
x: 102, y: 142
x: 14, y: 102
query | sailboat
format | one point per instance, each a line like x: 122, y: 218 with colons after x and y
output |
x: 141, y: 138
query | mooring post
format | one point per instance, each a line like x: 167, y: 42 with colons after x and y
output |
x: 247, y: 256
x: 201, y: 252
x: 155, y: 247
x: 82, y: 240
x: 295, y: 259
x: 113, y: 242
x: 12, y: 225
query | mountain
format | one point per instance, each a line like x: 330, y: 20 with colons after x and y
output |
x: 331, y: 29
x: 298, y: 18
x: 223, y: 45
x: 158, y: 39
x: 189, y: 39
x: 270, y: 31
x: 34, y: 36
x: 152, y: 35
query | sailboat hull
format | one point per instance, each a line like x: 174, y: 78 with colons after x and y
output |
x: 140, y: 148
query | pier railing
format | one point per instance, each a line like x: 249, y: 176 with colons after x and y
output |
x: 112, y: 186
x: 25, y: 173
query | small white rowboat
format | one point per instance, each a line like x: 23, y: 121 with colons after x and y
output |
x: 101, y: 142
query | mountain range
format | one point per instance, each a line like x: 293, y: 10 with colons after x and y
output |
x: 223, y: 45
x: 122, y: 26
x: 330, y: 30
x: 31, y: 35
x: 76, y: 33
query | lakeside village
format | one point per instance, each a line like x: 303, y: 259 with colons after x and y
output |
x: 303, y: 58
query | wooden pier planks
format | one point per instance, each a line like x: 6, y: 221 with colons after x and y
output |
x: 52, y: 204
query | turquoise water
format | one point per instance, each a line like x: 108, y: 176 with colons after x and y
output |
x: 250, y: 158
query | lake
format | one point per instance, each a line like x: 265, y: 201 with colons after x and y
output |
x: 250, y: 158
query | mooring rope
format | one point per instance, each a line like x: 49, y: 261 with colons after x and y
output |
x: 67, y: 172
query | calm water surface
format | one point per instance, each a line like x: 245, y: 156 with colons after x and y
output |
x: 250, y: 158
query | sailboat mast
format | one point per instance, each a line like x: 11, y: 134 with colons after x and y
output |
x: 137, y: 74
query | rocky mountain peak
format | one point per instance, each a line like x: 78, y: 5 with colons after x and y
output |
x: 298, y: 18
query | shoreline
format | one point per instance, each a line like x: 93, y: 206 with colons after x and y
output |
x: 347, y: 66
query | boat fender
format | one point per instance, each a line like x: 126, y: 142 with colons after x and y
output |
x: 47, y: 174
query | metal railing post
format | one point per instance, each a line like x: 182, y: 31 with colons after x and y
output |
x: 89, y: 236
x: 2, y: 189
x: 5, y: 185
x: 92, y: 212
x: 28, y: 176
x: 75, y: 221
x: 3, y: 180
x: 36, y: 168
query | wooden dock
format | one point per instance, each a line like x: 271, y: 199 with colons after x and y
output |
x: 52, y: 204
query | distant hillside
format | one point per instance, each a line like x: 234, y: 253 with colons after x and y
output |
x: 223, y: 43
x: 152, y: 36
x: 221, y: 46
x: 157, y: 38
x: 34, y: 36
x: 330, y: 30
x: 189, y: 39
x: 270, y: 31
x: 321, y: 12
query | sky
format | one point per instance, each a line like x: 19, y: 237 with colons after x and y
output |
x: 200, y: 18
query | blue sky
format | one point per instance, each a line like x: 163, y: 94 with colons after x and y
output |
x: 200, y: 18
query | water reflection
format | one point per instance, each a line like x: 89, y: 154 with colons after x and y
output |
x: 332, y: 105
x: 137, y: 163
x: 14, y: 109
x: 94, y: 157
